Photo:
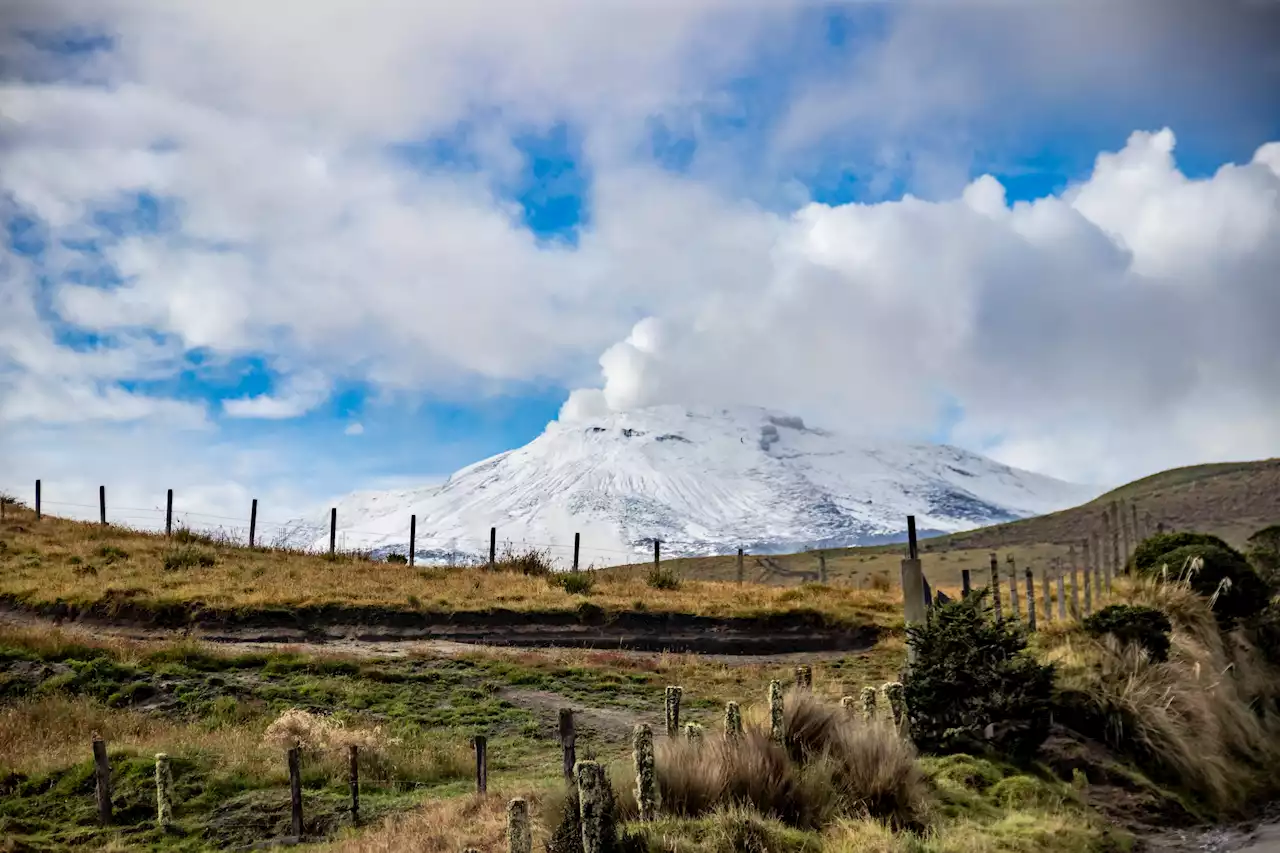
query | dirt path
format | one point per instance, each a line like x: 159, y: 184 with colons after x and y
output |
x: 365, y: 646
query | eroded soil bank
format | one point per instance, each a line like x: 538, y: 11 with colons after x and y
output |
x: 587, y: 627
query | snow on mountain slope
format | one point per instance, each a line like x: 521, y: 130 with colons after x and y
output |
x: 703, y: 481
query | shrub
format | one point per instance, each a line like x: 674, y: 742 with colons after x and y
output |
x: 1223, y: 575
x: 1147, y: 553
x: 662, y: 579
x: 1264, y: 553
x: 531, y: 563
x: 974, y: 684
x: 398, y: 559
x: 1133, y: 624
x: 574, y: 583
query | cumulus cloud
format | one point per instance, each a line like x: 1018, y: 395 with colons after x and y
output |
x: 1128, y: 324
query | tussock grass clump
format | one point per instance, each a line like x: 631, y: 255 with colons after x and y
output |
x: 574, y: 583
x: 827, y: 765
x: 1133, y: 624
x: 662, y: 579
x: 188, y: 557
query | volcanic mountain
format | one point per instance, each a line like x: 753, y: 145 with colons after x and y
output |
x: 702, y: 481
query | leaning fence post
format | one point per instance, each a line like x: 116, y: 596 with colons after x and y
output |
x: 168, y: 513
x: 1031, y: 600
x: 482, y: 764
x: 102, y: 780
x: 253, y: 521
x: 568, y: 741
x: 966, y: 583
x: 295, y: 790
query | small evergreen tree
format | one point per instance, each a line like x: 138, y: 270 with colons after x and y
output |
x: 974, y: 686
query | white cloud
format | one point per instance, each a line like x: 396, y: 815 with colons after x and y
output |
x: 354, y: 429
x: 1124, y: 327
x: 299, y: 396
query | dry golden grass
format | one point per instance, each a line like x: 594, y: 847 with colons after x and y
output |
x: 79, y: 563
x: 445, y: 826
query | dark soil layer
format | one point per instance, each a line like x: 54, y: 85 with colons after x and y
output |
x: 587, y: 627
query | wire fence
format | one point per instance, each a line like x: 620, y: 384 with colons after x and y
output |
x: 313, y: 535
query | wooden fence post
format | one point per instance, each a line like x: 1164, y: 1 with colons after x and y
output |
x: 1124, y: 532
x: 1117, y: 565
x: 1013, y: 589
x: 740, y: 572
x: 1048, y: 596
x: 966, y: 583
x: 1075, y: 583
x: 102, y: 504
x: 913, y: 604
x: 568, y: 741
x: 822, y: 567
x: 168, y: 513
x: 333, y: 530
x: 657, y: 556
x: 577, y: 542
x: 295, y: 791
x: 413, y: 538
x: 995, y: 586
x: 102, y: 780
x: 493, y: 547
x: 1088, y: 591
x: 253, y: 521
x: 354, y: 776
x: 37, y: 500
x: 482, y: 764
x: 1137, y: 534
x: 1031, y: 601
x: 1062, y: 590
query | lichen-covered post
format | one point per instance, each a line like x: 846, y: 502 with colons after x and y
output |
x: 732, y: 721
x: 804, y: 676
x: 868, y: 697
x: 849, y: 704
x: 591, y: 805
x: 693, y: 733
x: 775, y: 711
x: 164, y: 791
x: 646, y: 781
x: 519, y: 832
x: 896, y: 696
x: 673, y: 710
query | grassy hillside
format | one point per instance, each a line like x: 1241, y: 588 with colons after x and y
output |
x: 1231, y: 500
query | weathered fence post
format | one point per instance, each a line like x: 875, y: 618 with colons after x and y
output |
x: 1088, y: 591
x: 673, y: 710
x: 1075, y: 583
x: 333, y: 530
x: 577, y: 543
x: 657, y: 556
x: 164, y: 792
x: 1013, y: 588
x: 591, y: 805
x: 519, y: 832
x: 1124, y: 532
x: 353, y: 778
x: 822, y: 567
x: 482, y: 764
x: 253, y: 521
x: 102, y: 780
x: 37, y: 500
x: 913, y: 604
x: 1031, y: 601
x: 168, y: 513
x: 775, y: 711
x: 568, y: 741
x: 493, y: 547
x: 740, y: 571
x: 732, y: 721
x: 966, y: 583
x: 1048, y: 596
x: 413, y: 538
x: 868, y: 697
x: 804, y: 676
x: 1062, y: 589
x: 995, y: 587
x: 896, y: 695
x: 295, y: 791
x: 1117, y: 563
x: 849, y: 704
x: 693, y: 733
x: 102, y: 504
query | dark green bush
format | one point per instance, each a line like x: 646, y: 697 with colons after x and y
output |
x: 1264, y: 553
x: 1148, y: 553
x: 398, y: 559
x: 574, y: 583
x: 1242, y: 595
x: 1133, y: 624
x: 974, y: 686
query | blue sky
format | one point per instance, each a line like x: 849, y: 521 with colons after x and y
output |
x: 439, y: 243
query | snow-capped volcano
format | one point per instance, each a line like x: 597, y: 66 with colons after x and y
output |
x: 702, y: 481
